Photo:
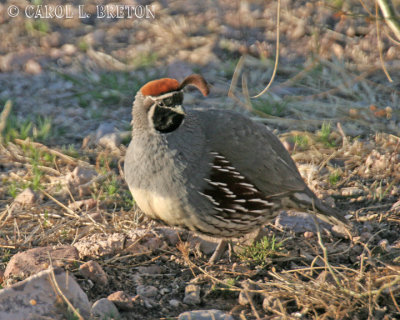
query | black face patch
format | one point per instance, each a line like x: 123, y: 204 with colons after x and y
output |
x: 175, y: 99
x: 166, y: 119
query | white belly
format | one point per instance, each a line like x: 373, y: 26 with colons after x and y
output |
x: 158, y: 207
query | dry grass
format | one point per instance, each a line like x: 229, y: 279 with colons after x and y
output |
x: 335, y: 280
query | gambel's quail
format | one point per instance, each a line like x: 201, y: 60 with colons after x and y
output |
x: 214, y: 172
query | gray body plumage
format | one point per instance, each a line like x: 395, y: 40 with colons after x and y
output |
x: 167, y: 173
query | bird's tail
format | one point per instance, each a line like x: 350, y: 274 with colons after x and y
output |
x: 331, y: 215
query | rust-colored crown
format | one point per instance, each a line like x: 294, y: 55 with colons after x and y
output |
x: 160, y: 86
x: 165, y: 85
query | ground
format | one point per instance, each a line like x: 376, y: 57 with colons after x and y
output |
x: 334, y: 103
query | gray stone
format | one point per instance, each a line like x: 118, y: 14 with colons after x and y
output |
x: 98, y: 244
x: 206, y: 246
x: 104, y: 309
x: 299, y: 222
x: 26, y: 197
x: 174, y: 303
x: 110, y: 141
x: 212, y: 314
x: 146, y: 291
x: 122, y: 300
x: 351, y: 192
x: 36, y: 296
x: 93, y: 271
x: 192, y: 294
x: 26, y: 263
x: 107, y: 136
x: 246, y: 295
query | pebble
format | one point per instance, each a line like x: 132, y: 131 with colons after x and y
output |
x: 35, y: 297
x: 122, y: 300
x: 174, y: 303
x: 93, y: 271
x: 32, y: 67
x: 212, y: 314
x: 26, y: 197
x: 192, y: 294
x: 146, y: 291
x: 29, y: 262
x: 243, y: 295
x: 298, y: 222
x: 351, y: 192
x: 105, y: 309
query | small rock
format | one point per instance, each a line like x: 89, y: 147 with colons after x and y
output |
x: 107, y: 136
x: 205, y: 246
x: 69, y: 49
x: 337, y: 50
x: 309, y: 234
x: 26, y: 263
x: 392, y: 52
x: 325, y: 277
x: 351, y: 32
x: 245, y: 294
x: 148, y: 241
x: 80, y: 175
x: 32, y: 67
x: 192, y: 294
x: 396, y: 207
x: 103, y: 129
x: 163, y: 291
x: 98, y: 245
x: 365, y: 236
x: 93, y: 271
x: 299, y: 31
x: 384, y: 244
x: 212, y: 314
x: 298, y: 222
x: 86, y: 204
x: 122, y: 300
x: 270, y: 303
x: 111, y: 141
x: 174, y: 303
x: 171, y: 235
x: 36, y: 296
x: 146, y: 291
x: 105, y: 309
x: 351, y: 192
x: 153, y: 269
x: 26, y: 197
x: 96, y: 216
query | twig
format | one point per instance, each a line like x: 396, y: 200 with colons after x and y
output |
x: 390, y: 17
x: 253, y: 308
x: 278, y: 11
x: 3, y: 118
x: 380, y: 42
x: 345, y: 141
x: 64, y: 157
x: 59, y: 291
x: 245, y: 91
x: 70, y: 211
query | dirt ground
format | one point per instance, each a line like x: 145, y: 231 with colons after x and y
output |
x: 335, y: 103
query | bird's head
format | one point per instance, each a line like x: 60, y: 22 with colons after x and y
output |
x: 160, y: 101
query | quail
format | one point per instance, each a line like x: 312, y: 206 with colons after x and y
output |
x: 215, y: 172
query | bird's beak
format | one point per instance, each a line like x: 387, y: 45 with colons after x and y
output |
x: 179, y: 109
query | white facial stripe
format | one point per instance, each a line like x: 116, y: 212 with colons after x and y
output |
x: 163, y: 96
